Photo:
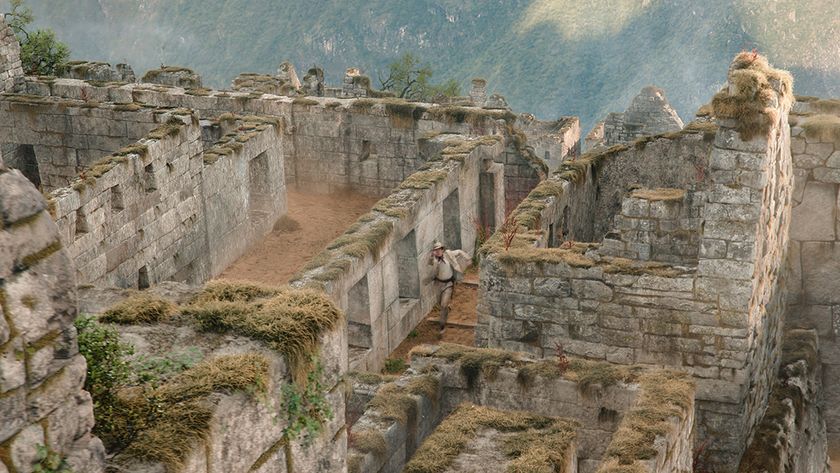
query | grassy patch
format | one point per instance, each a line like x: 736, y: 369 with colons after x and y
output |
x: 171, y: 128
x: 539, y: 443
x: 179, y: 413
x: 289, y: 321
x: 825, y: 128
x: 664, y: 395
x: 369, y: 441
x: 140, y: 308
x: 750, y: 98
x: 234, y: 291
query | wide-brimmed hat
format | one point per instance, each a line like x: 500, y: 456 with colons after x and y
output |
x: 438, y: 246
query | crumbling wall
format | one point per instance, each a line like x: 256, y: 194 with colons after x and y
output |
x: 596, y: 396
x: 648, y: 114
x: 41, y: 371
x: 657, y: 225
x: 814, y: 255
x: 553, y: 141
x: 366, y: 144
x: 791, y: 436
x: 719, y: 320
x: 161, y: 209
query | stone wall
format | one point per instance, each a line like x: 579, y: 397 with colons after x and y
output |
x: 63, y: 136
x: 648, y: 114
x: 247, y: 430
x: 162, y: 209
x: 41, y: 371
x: 519, y: 384
x: 814, y: 257
x: 657, y: 225
x: 792, y: 435
x: 11, y: 72
x: 368, y: 145
x: 719, y: 320
x: 386, y: 288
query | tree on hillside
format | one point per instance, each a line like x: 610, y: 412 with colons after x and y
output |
x: 40, y: 52
x: 410, y: 79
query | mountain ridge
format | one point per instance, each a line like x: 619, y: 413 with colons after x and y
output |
x: 548, y: 57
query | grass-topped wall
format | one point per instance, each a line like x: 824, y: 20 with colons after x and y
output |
x: 162, y: 413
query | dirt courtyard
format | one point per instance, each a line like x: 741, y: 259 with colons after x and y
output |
x: 312, y: 221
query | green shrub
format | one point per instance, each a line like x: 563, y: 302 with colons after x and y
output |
x: 107, y: 357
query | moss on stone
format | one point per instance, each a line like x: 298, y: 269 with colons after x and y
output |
x: 823, y: 127
x: 539, y: 443
x: 750, y: 99
x: 395, y: 402
x: 34, y: 258
x: 290, y: 321
x: 182, y: 413
x: 665, y: 395
x: 171, y: 128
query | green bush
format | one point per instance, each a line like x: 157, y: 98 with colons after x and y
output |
x: 108, y: 366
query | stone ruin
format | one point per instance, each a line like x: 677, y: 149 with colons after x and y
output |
x: 649, y: 114
x: 661, y: 304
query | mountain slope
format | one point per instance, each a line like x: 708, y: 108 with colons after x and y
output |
x: 550, y: 57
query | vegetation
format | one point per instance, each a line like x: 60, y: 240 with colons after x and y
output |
x: 140, y: 308
x: 306, y: 407
x: 540, y: 443
x: 750, y: 97
x: 40, y: 52
x: 395, y: 402
x: 49, y: 461
x: 177, y: 414
x: 290, y: 321
x: 664, y: 395
x: 408, y: 78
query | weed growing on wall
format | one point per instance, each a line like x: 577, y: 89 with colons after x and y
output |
x: 107, y: 357
x: 306, y: 407
x: 49, y: 461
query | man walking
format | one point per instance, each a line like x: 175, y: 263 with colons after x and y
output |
x: 447, y: 264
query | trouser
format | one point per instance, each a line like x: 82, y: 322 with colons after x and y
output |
x: 445, y: 290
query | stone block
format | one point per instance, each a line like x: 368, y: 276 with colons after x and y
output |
x: 12, y: 366
x: 813, y: 218
x: 19, y: 199
x: 53, y: 392
x: 820, y: 267
x: 22, y: 448
x: 12, y: 413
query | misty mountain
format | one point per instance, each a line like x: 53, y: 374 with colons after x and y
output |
x: 549, y: 57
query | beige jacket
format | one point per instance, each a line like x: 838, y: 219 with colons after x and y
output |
x: 458, y: 259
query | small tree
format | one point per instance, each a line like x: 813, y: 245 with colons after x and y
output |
x: 410, y: 79
x: 40, y: 52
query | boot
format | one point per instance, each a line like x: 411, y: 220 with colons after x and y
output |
x: 444, y: 313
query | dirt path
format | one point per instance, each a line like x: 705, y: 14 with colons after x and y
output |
x: 313, y: 220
